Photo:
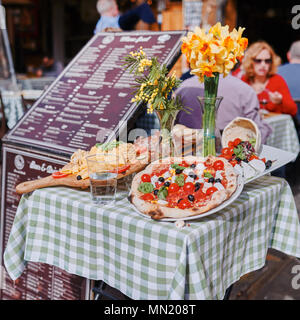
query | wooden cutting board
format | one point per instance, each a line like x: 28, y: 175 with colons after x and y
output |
x: 71, y: 180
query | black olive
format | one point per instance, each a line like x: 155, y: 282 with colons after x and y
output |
x: 246, y: 160
x: 191, y: 197
x: 79, y: 177
x: 155, y: 192
x: 197, y: 186
x: 268, y: 164
x: 238, y: 159
x: 212, y: 180
x: 178, y: 171
x: 161, y: 179
x: 167, y: 183
x: 179, y: 200
x: 193, y: 165
x: 193, y: 175
x: 218, y: 180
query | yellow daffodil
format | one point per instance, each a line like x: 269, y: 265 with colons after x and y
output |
x: 214, y: 51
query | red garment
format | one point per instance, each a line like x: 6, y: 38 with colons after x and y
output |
x: 276, y: 83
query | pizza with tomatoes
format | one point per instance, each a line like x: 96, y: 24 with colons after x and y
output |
x: 182, y: 187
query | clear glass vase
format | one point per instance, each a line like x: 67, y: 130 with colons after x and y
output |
x: 166, y: 121
x: 211, y: 135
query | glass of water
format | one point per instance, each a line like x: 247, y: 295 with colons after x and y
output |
x: 103, y: 177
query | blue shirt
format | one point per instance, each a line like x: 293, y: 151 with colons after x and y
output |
x: 291, y: 74
x: 107, y: 22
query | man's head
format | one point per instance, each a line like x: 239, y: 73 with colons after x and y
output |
x: 294, y: 53
x: 107, y: 8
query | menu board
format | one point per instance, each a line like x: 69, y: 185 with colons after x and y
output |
x: 91, y: 100
x: 38, y: 281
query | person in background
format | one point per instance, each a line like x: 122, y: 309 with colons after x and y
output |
x: 239, y: 100
x: 111, y: 19
x: 49, y: 68
x: 260, y: 66
x: 291, y: 73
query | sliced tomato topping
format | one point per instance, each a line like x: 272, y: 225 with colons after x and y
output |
x: 146, y: 178
x: 147, y: 197
x: 188, y: 187
x: 218, y: 165
x: 184, y: 204
x: 58, y: 174
x: 174, y: 187
x: 211, y: 190
x: 184, y: 164
x: 199, y: 195
x: 121, y: 169
x: 172, y: 199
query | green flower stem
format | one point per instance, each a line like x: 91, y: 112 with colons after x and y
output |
x: 209, y: 114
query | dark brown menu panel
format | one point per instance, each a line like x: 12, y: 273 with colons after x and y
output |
x: 93, y: 94
x: 38, y: 281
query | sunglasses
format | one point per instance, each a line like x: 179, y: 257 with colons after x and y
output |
x: 258, y: 61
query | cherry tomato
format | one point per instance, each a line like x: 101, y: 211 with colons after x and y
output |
x: 211, y: 190
x: 263, y: 159
x: 226, y: 156
x: 237, y: 141
x: 184, y: 204
x: 218, y: 165
x: 208, y: 163
x: 233, y: 162
x: 253, y: 156
x: 58, y: 174
x: 174, y: 187
x: 146, y: 178
x: 188, y: 187
x: 231, y: 151
x: 147, y: 197
x: 230, y: 144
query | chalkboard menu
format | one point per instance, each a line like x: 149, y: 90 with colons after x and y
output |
x: 92, y: 97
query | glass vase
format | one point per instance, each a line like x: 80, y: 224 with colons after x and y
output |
x: 211, y: 135
x: 166, y: 121
x: 209, y: 105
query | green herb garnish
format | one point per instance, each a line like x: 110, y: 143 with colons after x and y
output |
x: 162, y: 193
x: 239, y: 152
x: 146, y: 187
x: 180, y: 180
x: 107, y: 146
x: 177, y: 166
x: 208, y: 175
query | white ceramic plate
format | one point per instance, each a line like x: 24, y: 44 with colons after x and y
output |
x: 280, y: 158
x: 235, y: 195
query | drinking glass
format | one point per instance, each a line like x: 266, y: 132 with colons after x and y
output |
x: 103, y: 177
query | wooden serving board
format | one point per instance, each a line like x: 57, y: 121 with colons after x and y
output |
x: 70, y: 181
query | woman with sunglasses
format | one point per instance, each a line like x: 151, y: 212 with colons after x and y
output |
x: 260, y: 66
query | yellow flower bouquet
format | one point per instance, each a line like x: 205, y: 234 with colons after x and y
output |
x: 210, y: 54
x: 154, y: 88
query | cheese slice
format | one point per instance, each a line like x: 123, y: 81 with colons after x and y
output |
x: 249, y: 172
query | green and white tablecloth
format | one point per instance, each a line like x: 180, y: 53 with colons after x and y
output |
x: 147, y: 259
x: 284, y: 135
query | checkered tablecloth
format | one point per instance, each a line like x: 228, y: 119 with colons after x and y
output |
x: 284, y: 135
x: 147, y: 259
